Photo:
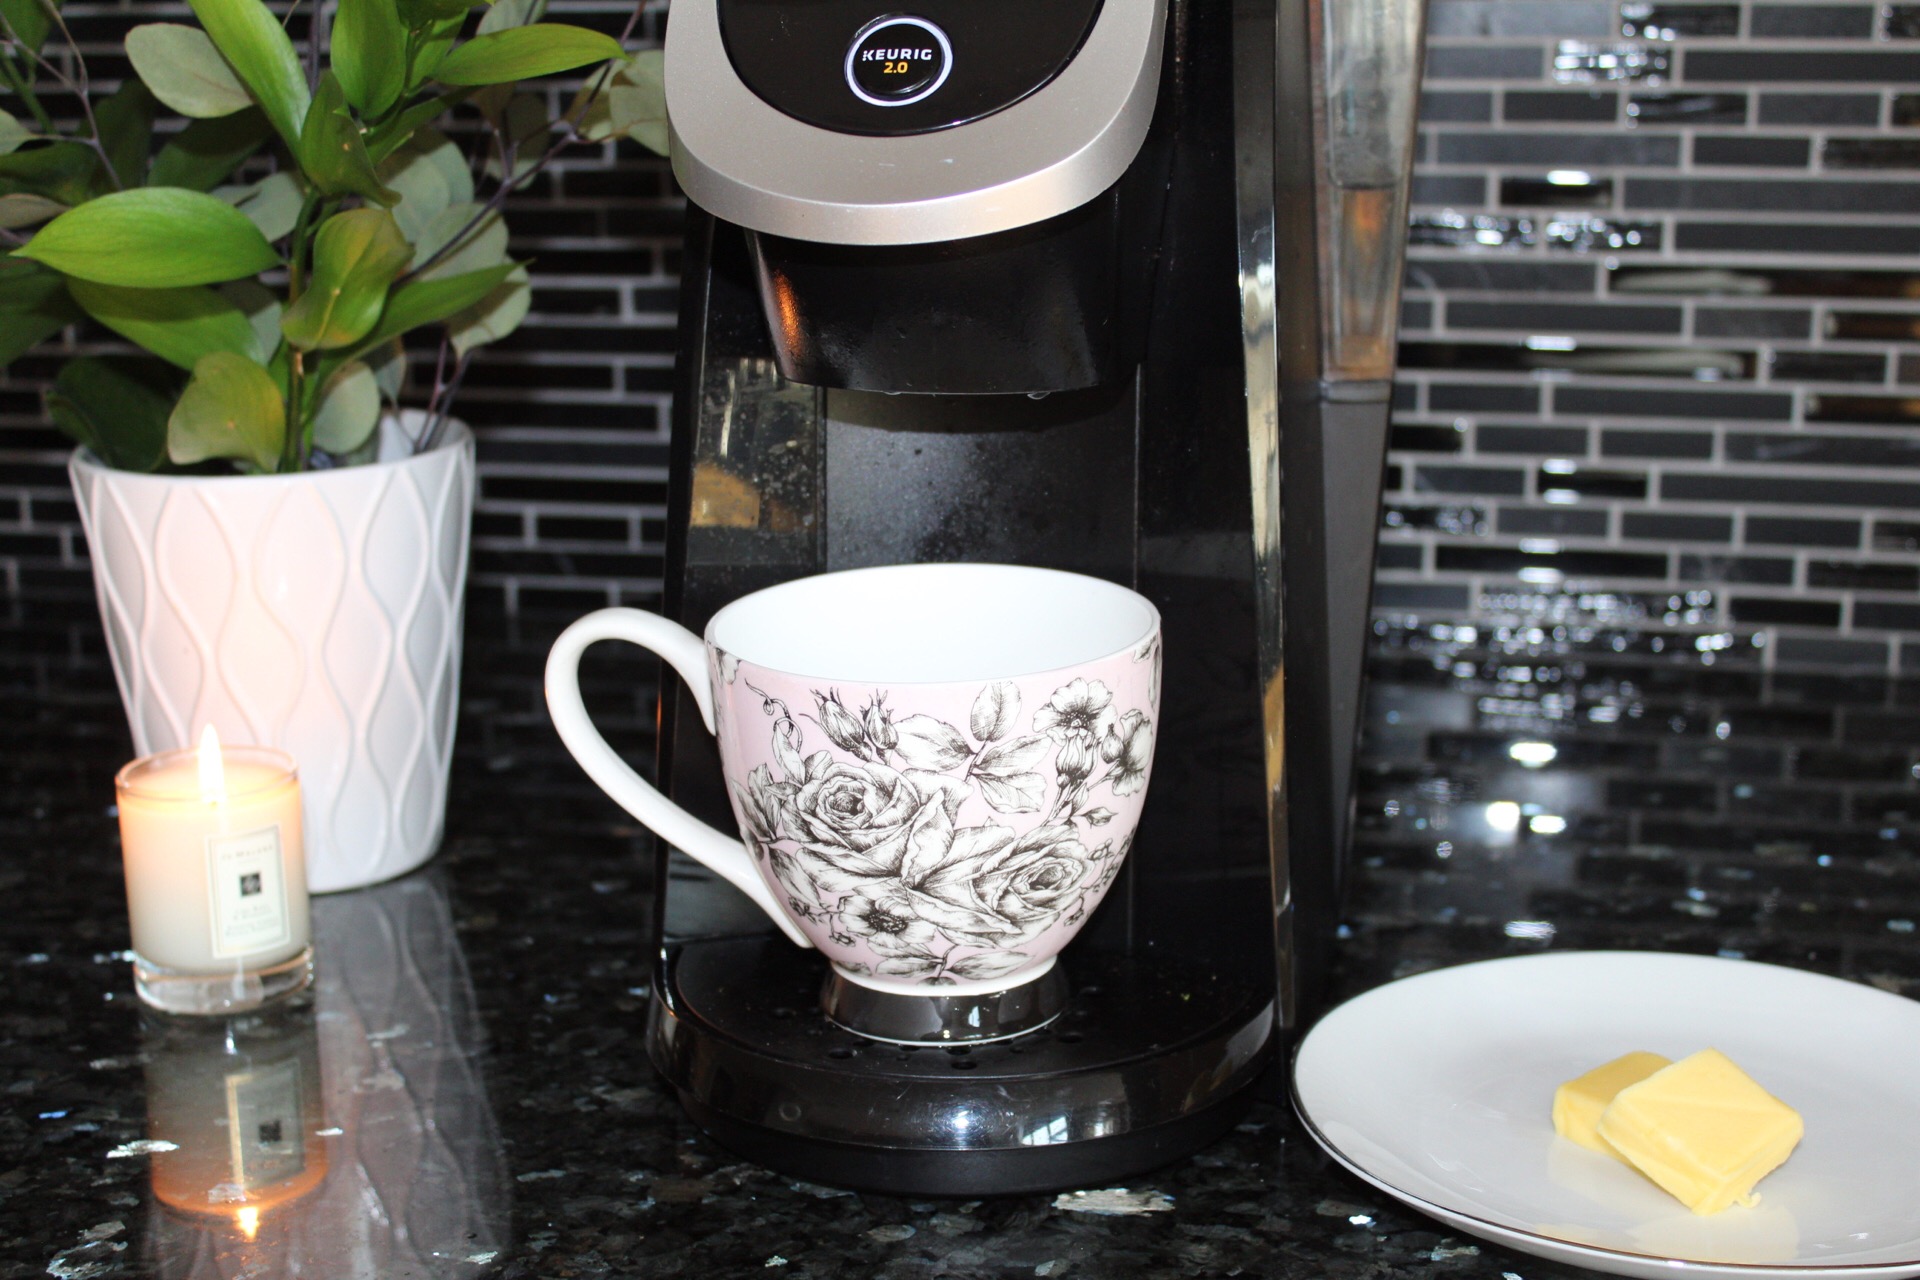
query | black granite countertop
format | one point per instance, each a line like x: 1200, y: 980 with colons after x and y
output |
x: 487, y: 1110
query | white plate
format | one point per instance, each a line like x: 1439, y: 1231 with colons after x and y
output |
x: 1438, y: 1089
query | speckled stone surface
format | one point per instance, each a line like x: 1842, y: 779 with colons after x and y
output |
x: 484, y: 1107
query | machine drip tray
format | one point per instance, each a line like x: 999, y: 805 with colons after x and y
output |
x: 1145, y: 1065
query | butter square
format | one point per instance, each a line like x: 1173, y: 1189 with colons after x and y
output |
x: 1703, y: 1129
x: 1578, y: 1104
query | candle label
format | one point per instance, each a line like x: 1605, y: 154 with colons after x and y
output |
x: 266, y: 1135
x: 248, y: 891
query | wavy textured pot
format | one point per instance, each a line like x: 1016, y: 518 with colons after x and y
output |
x: 319, y: 613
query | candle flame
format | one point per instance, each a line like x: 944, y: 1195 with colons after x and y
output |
x: 248, y: 1220
x: 213, y: 773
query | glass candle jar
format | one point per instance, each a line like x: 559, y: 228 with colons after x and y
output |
x: 216, y: 877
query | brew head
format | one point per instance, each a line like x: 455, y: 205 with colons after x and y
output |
x: 933, y: 203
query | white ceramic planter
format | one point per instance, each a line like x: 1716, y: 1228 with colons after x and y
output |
x: 319, y: 613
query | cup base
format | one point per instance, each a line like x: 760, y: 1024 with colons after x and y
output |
x: 940, y: 1015
x: 171, y: 991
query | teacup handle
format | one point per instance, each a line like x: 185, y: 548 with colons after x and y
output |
x: 715, y: 850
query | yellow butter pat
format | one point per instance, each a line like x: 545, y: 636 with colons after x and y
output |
x: 1703, y: 1130
x: 1577, y: 1104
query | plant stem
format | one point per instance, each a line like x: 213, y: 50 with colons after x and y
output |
x: 297, y: 246
x: 431, y: 436
x: 495, y: 201
x: 633, y: 20
x: 445, y: 390
x: 81, y: 90
x: 17, y: 81
x: 442, y: 389
x: 439, y: 373
x: 488, y: 210
x: 567, y: 126
x: 292, y: 451
x: 318, y: 27
x: 80, y: 63
x: 407, y: 85
x: 299, y: 444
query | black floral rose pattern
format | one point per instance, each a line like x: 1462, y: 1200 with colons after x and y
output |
x: 863, y: 832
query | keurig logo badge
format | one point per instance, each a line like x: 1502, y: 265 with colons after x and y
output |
x: 897, y: 62
x: 894, y: 62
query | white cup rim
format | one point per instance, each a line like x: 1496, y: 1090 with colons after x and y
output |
x: 1076, y: 636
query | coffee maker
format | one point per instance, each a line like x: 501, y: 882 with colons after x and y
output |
x: 1108, y: 286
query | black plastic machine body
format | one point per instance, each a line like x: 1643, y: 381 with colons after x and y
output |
x: 1098, y: 285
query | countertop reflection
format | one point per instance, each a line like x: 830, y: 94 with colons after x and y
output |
x: 464, y: 1093
x: 348, y: 1134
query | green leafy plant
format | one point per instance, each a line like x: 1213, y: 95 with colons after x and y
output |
x: 272, y: 257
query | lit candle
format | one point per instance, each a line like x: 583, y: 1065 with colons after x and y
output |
x: 216, y: 877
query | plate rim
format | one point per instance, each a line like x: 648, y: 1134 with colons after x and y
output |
x: 1679, y: 1266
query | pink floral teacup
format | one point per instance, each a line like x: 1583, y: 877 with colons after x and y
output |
x: 937, y: 769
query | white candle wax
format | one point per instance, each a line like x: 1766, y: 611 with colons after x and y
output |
x: 216, y: 871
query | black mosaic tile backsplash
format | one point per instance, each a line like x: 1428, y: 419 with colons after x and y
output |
x: 1728, y: 405
x: 1662, y: 340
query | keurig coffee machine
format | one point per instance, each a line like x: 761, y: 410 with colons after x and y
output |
x: 1099, y: 285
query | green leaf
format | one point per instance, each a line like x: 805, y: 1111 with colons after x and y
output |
x: 356, y: 255
x: 520, y: 53
x: 389, y: 365
x: 262, y: 309
x: 495, y: 316
x: 434, y: 40
x: 511, y: 13
x: 348, y: 409
x: 385, y: 139
x: 117, y: 408
x: 22, y: 210
x: 231, y: 409
x: 153, y: 238
x: 33, y: 307
x: 28, y: 21
x: 526, y: 123
x: 633, y: 104
x: 641, y: 110
x: 271, y: 204
x: 126, y: 131
x: 430, y: 173
x: 202, y: 155
x: 369, y: 53
x: 491, y: 101
x: 185, y: 71
x: 12, y: 134
x: 280, y: 368
x: 21, y: 334
x: 484, y: 246
x: 178, y: 325
x: 257, y: 47
x: 62, y: 171
x: 333, y: 152
x: 422, y: 302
